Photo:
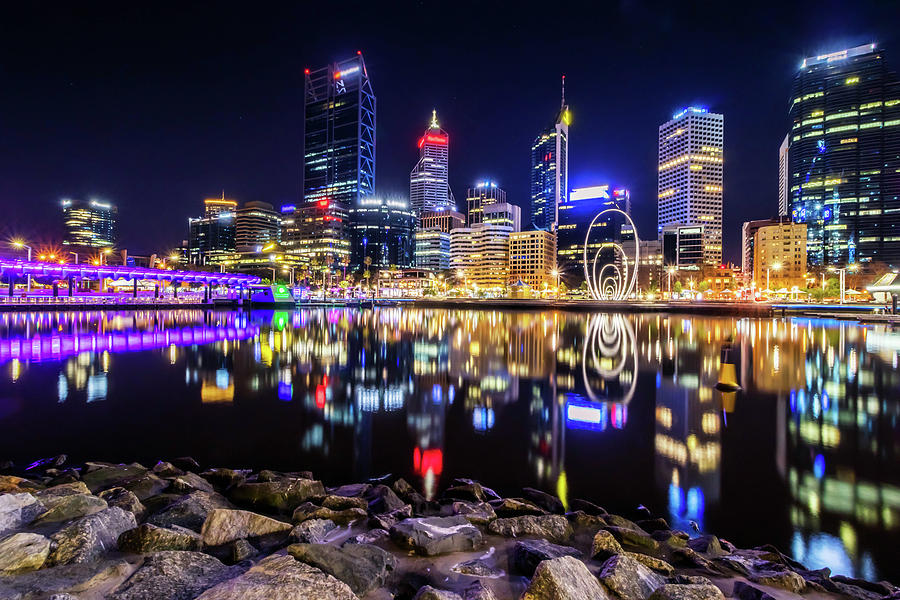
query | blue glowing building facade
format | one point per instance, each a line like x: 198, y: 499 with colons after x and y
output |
x: 550, y: 169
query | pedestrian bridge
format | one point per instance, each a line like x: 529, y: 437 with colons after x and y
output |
x: 48, y: 273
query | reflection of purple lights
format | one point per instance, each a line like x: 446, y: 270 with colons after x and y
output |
x: 285, y: 391
x: 593, y: 416
x: 56, y: 347
x: 51, y: 272
x: 819, y: 466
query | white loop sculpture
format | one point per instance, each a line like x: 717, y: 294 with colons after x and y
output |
x: 621, y: 284
x: 612, y: 343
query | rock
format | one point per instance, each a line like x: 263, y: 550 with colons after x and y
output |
x: 224, y: 478
x: 61, y: 476
x: 706, y: 544
x: 526, y: 555
x: 373, y: 536
x: 676, y: 591
x: 695, y: 579
x: 48, y: 463
x: 65, y: 579
x: 634, y: 538
x: 269, y: 475
x: 18, y: 510
x: 382, y: 499
x: 411, y: 496
x: 564, y: 578
x: 477, y: 567
x: 277, y: 496
x: 166, y: 469
x: 126, y: 500
x: 489, y: 494
x: 745, y: 591
x: 70, y: 507
x: 10, y: 484
x: 582, y: 522
x: 588, y: 507
x: 158, y: 502
x: 658, y: 565
x: 223, y: 525
x: 478, y: 591
x: 429, y: 593
x: 653, y: 525
x: 629, y: 579
x: 787, y: 580
x: 605, y: 545
x: 344, y: 502
x: 280, y: 578
x: 357, y: 490
x: 150, y: 538
x: 471, y: 492
x: 619, y: 521
x: 23, y: 552
x: 190, y: 482
x: 189, y: 511
x: 312, y: 531
x: 308, y: 510
x: 361, y: 566
x: 241, y: 550
x: 389, y: 519
x: 554, y: 528
x: 174, y: 576
x: 515, y: 507
x: 90, y: 537
x: 55, y: 494
x: 480, y: 513
x: 186, y: 463
x: 882, y: 588
x: 551, y: 504
x: 99, y: 476
x: 437, y: 535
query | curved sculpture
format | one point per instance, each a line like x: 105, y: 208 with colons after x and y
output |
x: 609, y: 345
x: 622, y: 282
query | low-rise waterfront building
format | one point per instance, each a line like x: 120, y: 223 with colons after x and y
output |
x: 532, y: 259
x: 779, y: 256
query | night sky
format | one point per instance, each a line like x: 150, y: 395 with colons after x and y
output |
x: 155, y: 105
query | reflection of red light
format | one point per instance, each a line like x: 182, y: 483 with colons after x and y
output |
x: 428, y: 460
x: 435, y: 139
x: 320, y: 392
x: 323, y: 203
x: 421, y: 142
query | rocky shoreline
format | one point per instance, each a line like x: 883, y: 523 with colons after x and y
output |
x: 180, y: 531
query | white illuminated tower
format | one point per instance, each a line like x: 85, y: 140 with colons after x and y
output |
x: 690, y: 176
x: 429, y: 186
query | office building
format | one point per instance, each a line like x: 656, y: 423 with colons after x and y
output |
x: 89, y: 224
x: 650, y: 273
x: 683, y: 246
x: 575, y: 214
x: 783, y: 176
x: 318, y: 231
x: 429, y: 183
x: 338, y: 156
x: 213, y: 207
x: 257, y: 224
x: 480, y: 256
x: 550, y: 168
x: 532, y: 259
x: 844, y: 157
x: 442, y: 220
x: 432, y: 249
x: 502, y: 213
x: 483, y: 194
x: 779, y: 256
x: 748, y: 241
x: 382, y: 230
x: 690, y: 176
x: 213, y: 234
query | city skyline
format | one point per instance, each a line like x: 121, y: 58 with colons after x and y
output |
x: 220, y: 150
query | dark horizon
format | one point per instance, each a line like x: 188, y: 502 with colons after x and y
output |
x: 156, y: 109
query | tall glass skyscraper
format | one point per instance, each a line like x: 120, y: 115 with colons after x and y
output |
x: 339, y: 152
x: 844, y: 157
x: 89, y: 224
x: 429, y: 184
x: 550, y: 168
x: 575, y: 215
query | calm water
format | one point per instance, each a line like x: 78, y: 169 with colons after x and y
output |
x: 619, y: 409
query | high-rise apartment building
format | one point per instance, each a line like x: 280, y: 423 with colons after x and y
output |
x: 480, y: 254
x: 576, y: 212
x: 844, y: 158
x: 89, y: 224
x: 256, y: 225
x: 383, y: 231
x: 212, y: 235
x: 338, y: 155
x: 532, y: 259
x: 433, y: 249
x: 484, y: 193
x: 429, y: 183
x: 502, y: 213
x: 779, y: 256
x: 690, y: 176
x: 443, y: 220
x: 550, y: 168
x: 783, y: 176
x: 748, y: 243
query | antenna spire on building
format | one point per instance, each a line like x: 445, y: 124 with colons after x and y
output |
x: 434, y: 121
x: 562, y: 103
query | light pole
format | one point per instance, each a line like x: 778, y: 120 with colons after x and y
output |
x: 776, y: 267
x: 669, y: 272
x: 76, y: 256
x: 291, y: 271
x: 842, y: 271
x: 555, y: 274
x: 20, y: 244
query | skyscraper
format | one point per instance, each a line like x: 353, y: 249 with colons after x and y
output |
x: 550, y: 168
x: 338, y: 154
x: 89, y: 224
x: 382, y: 230
x: 783, y: 177
x: 212, y: 235
x: 484, y: 193
x: 690, y: 176
x: 576, y: 212
x: 256, y: 224
x: 429, y: 187
x: 844, y: 158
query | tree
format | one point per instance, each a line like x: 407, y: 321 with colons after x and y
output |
x: 704, y: 285
x: 677, y: 287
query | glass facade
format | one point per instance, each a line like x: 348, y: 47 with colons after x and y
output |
x: 575, y: 215
x: 844, y: 157
x: 384, y: 231
x: 210, y: 237
x: 550, y: 171
x: 89, y: 224
x: 429, y: 187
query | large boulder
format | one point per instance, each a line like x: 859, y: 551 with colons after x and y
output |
x: 190, y: 482
x: 564, y: 578
x: 430, y: 593
x: 634, y: 538
x: 18, y: 510
x: 629, y: 579
x: 10, y: 484
x: 656, y: 564
x: 94, y: 577
x: 555, y: 528
x: 550, y: 503
x: 382, y: 499
x: 312, y: 531
x: 308, y: 510
x: 126, y: 500
x: 605, y: 545
x: 478, y: 591
x: 280, y: 577
x: 515, y: 507
x: 223, y: 525
x: 480, y: 513
x: 23, y: 552
x: 134, y: 477
x: 351, y: 490
x: 526, y: 555
x: 90, y: 537
x: 51, y: 495
x: 150, y: 538
x: 224, y: 478
x: 675, y: 591
x: 344, y: 502
x: 787, y: 580
x: 174, y: 576
x: 361, y: 566
x: 277, y: 496
x: 706, y: 544
x: 66, y: 508
x: 437, y: 535
x: 477, y: 567
x: 189, y: 511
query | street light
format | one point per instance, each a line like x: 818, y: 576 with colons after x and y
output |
x: 20, y: 244
x: 775, y: 266
x: 76, y: 256
x: 669, y: 272
x: 555, y: 274
x: 291, y: 271
x: 843, y: 274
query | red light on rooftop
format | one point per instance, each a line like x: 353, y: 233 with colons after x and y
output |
x: 359, y: 52
x: 323, y: 203
x: 435, y: 139
x: 306, y: 71
x: 421, y: 142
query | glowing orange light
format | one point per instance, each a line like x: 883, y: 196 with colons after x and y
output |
x: 323, y: 203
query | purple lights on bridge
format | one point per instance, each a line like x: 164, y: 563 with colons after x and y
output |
x: 48, y: 272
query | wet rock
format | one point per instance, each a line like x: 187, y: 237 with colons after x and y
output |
x: 64, y: 579
x: 382, y: 499
x: 23, y: 552
x: 471, y: 491
x: 787, y: 580
x: 585, y: 523
x: 189, y: 511
x: 190, y: 482
x: 134, y: 477
x: 186, y: 463
x: 167, y: 469
x: 620, y: 521
x: 745, y: 591
x: 489, y: 494
x: 673, y: 539
x: 694, y: 579
x: 308, y: 510
x: 629, y: 579
x: 10, y: 484
x: 675, y: 591
x: 90, y: 537
x: 477, y: 567
x: 373, y: 536
x: 686, y: 557
x: 515, y: 507
x: 344, y: 502
x: 564, y: 578
x: 158, y: 502
x: 526, y: 555
x: 605, y: 545
x: 150, y: 538
x: 429, y: 593
x: 658, y: 565
x: 361, y: 566
x: 554, y: 528
x: 224, y: 478
x: 280, y: 578
x: 588, y: 507
x: 478, y: 591
x: 653, y: 525
x: 223, y: 525
x: 352, y: 490
x: 706, y: 544
x: 241, y: 550
x: 277, y: 496
x: 480, y: 513
x: 389, y: 519
x: 269, y: 475
x: 17, y: 510
x: 70, y: 507
x: 125, y: 500
x: 437, y: 535
x: 174, y: 576
x: 312, y: 531
x: 550, y: 503
x: 634, y: 538
x: 51, y: 496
